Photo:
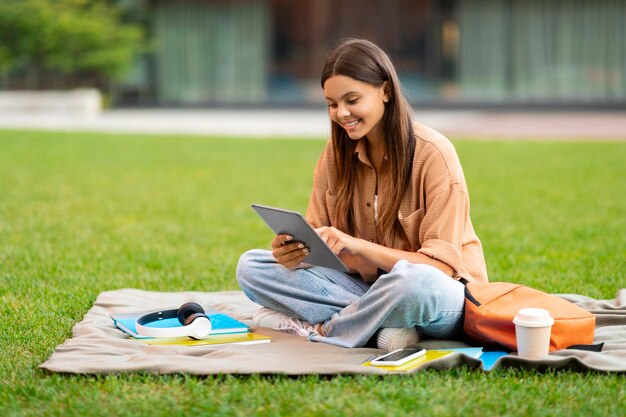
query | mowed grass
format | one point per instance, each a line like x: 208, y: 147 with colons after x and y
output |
x: 85, y: 213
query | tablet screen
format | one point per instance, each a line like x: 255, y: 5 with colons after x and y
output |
x: 292, y: 223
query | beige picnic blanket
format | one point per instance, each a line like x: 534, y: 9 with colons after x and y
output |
x: 98, y: 347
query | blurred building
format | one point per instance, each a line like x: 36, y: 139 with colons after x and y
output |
x: 448, y: 53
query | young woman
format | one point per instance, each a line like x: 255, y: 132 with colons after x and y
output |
x: 389, y: 197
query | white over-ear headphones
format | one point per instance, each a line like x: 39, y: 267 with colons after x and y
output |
x: 195, y: 322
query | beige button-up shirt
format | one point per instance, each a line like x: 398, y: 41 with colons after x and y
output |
x: 434, y: 214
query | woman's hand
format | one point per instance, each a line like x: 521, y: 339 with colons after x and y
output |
x: 287, y: 253
x: 338, y: 241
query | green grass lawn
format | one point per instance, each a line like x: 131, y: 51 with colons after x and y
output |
x: 85, y: 213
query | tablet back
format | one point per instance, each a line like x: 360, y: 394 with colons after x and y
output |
x: 292, y: 223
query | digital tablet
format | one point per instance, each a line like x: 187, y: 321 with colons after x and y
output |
x: 285, y: 222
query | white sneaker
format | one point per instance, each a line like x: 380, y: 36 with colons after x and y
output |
x: 393, y: 338
x: 266, y: 317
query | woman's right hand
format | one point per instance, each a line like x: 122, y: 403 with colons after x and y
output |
x: 287, y: 253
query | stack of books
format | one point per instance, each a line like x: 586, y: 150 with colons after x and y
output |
x: 225, y: 330
x: 488, y: 358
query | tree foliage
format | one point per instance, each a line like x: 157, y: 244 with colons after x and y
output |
x: 66, y: 36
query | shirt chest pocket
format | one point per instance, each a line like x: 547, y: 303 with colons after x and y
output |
x: 411, y: 227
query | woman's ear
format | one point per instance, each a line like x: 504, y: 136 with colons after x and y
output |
x: 386, y: 92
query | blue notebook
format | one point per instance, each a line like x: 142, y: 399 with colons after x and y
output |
x: 488, y: 358
x: 221, y: 324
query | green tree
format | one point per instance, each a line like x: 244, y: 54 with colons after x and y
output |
x: 66, y: 36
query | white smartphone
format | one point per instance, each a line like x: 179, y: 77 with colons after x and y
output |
x: 398, y: 357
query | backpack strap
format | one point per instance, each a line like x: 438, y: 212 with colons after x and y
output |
x: 468, y: 294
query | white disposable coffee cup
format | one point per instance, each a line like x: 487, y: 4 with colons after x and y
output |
x: 532, y: 331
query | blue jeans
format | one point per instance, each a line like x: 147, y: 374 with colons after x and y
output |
x: 351, y: 310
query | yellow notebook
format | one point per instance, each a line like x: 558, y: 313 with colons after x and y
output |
x: 218, y: 339
x: 430, y: 355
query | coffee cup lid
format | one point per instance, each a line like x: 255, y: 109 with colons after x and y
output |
x: 533, y: 317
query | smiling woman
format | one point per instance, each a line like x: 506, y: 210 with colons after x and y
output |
x: 390, y: 199
x: 382, y: 115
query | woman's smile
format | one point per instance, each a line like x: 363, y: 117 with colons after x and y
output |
x: 352, y: 125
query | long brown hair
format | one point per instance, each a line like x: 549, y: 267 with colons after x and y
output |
x: 362, y: 60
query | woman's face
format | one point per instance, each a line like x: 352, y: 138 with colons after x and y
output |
x: 356, y: 106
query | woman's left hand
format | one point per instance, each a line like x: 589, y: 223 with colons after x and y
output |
x: 338, y: 241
